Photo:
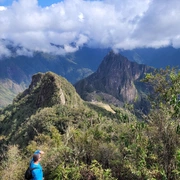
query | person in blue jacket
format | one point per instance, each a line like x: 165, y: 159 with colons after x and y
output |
x: 37, y: 173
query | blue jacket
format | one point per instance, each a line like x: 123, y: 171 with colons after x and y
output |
x: 38, y: 172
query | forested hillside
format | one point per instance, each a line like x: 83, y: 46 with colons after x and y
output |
x: 84, y: 141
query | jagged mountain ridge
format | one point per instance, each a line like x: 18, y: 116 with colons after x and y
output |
x: 117, y: 77
x: 45, y: 91
x: 48, y: 89
x: 49, y: 99
x: 73, y: 66
x: 158, y: 58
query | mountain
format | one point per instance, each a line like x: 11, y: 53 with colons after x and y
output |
x: 84, y: 140
x: 73, y: 66
x: 116, y: 81
x: 8, y: 91
x: 19, y: 68
x: 47, y: 96
x: 49, y: 105
x: 46, y: 90
x: 50, y: 115
x: 158, y: 58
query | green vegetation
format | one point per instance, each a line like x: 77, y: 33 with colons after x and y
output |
x: 84, y: 141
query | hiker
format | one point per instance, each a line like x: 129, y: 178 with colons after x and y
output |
x: 35, y: 163
x: 37, y: 172
x: 34, y: 170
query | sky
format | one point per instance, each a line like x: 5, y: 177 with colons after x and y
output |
x: 53, y: 25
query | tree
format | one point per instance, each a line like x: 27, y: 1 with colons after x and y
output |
x: 164, y: 118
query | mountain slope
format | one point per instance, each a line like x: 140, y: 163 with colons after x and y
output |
x: 8, y: 91
x: 49, y: 102
x: 73, y: 67
x: 45, y: 90
x: 51, y: 116
x: 116, y: 77
x: 83, y: 141
x: 158, y: 58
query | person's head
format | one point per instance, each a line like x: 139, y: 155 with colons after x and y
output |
x: 36, y: 157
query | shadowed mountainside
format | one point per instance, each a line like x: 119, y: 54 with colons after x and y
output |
x: 20, y: 69
x: 73, y: 66
x: 116, y: 78
x: 8, y: 91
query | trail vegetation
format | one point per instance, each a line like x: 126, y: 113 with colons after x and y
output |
x: 84, y: 141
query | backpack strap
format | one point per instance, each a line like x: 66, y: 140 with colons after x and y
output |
x: 34, y: 168
x: 31, y: 169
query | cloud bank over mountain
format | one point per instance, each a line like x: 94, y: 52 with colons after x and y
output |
x: 112, y: 24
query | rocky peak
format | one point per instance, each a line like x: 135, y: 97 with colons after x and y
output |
x: 116, y: 76
x: 49, y: 89
x: 116, y: 65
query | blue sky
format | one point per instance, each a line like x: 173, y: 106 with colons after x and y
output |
x: 42, y: 3
x: 116, y: 24
x: 47, y: 2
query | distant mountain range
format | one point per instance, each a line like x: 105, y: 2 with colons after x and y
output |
x: 18, y: 70
x: 158, y: 58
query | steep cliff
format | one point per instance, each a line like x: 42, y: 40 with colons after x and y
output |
x: 48, y: 89
x: 116, y: 77
x: 47, y: 95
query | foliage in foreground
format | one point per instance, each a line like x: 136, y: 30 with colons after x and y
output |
x: 88, y: 142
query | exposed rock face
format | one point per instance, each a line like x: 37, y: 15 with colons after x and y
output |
x: 49, y: 89
x: 116, y: 76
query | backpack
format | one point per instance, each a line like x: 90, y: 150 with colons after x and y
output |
x: 28, y: 173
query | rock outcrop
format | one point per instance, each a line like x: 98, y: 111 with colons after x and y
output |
x: 48, y: 89
x: 116, y: 76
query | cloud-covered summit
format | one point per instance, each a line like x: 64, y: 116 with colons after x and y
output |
x: 115, y: 24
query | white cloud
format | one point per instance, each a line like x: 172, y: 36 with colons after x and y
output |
x: 4, y: 51
x: 110, y: 23
x: 81, y: 17
x: 2, y: 8
x: 23, y: 51
x: 159, y: 26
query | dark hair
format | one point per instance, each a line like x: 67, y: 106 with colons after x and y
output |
x: 35, y: 157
